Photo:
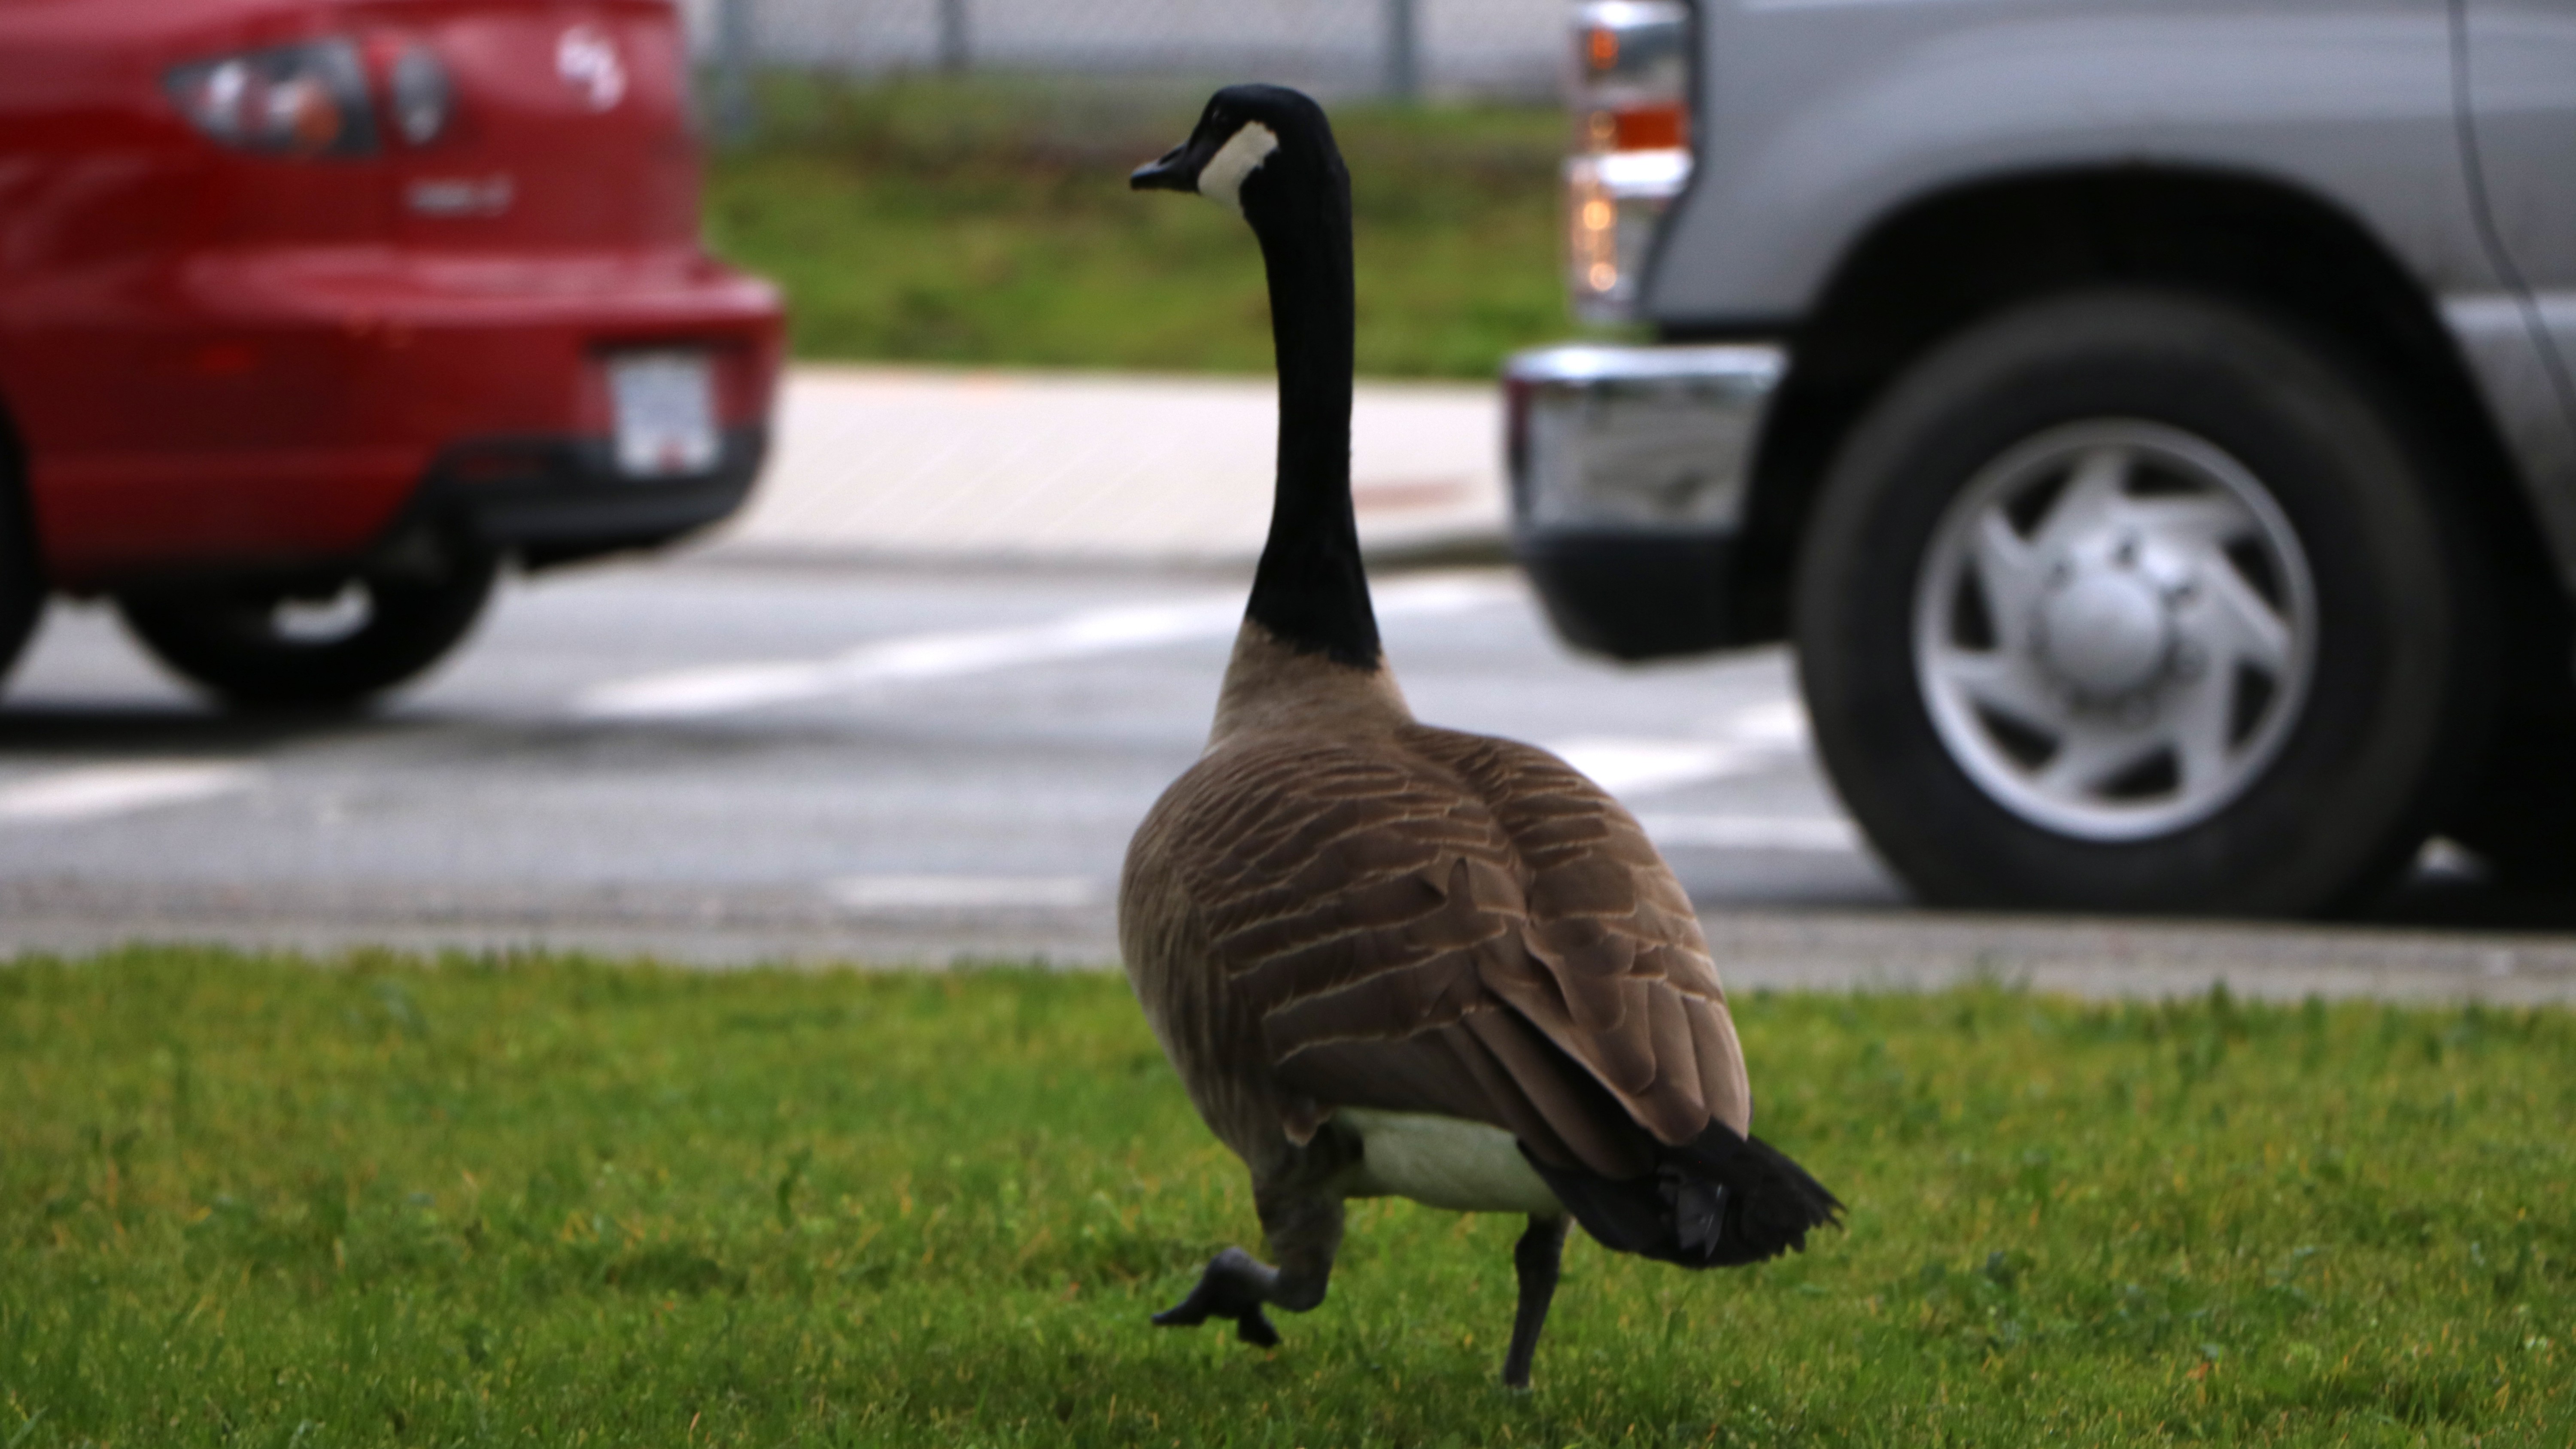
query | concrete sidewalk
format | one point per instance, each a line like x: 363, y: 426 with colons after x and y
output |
x: 919, y: 463
x: 1755, y: 948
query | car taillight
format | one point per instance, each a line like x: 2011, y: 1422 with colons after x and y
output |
x: 422, y: 96
x: 289, y: 100
x: 1631, y: 99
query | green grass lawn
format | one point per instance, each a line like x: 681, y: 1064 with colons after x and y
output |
x: 244, y: 1201
x: 989, y: 222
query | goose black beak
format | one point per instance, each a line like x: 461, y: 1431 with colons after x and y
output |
x: 1172, y: 172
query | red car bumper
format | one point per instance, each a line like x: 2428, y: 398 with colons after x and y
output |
x: 303, y: 407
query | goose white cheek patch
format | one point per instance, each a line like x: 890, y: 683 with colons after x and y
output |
x: 1221, y: 179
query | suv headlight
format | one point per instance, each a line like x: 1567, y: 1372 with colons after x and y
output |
x: 1631, y: 99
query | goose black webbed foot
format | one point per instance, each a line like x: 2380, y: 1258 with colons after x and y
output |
x: 1234, y: 1286
x: 1535, y: 1259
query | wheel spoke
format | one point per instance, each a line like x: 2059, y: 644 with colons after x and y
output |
x: 2011, y: 573
x: 2199, y: 717
x: 2086, y: 760
x: 2003, y: 681
x: 2235, y: 623
x: 2095, y: 495
x: 2204, y: 520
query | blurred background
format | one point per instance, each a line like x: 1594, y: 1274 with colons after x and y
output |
x: 1399, y: 47
x: 943, y: 181
x: 1018, y: 411
x: 1016, y: 394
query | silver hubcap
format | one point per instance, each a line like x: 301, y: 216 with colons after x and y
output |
x: 2114, y: 629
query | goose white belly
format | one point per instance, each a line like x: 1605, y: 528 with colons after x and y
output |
x: 1444, y: 1163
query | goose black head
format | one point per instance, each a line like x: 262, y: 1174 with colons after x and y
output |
x: 1249, y: 141
x: 1269, y: 152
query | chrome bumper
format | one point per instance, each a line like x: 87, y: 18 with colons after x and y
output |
x: 1634, y: 438
x: 1629, y: 468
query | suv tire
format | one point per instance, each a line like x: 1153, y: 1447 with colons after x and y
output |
x: 2139, y: 601
x: 241, y: 642
x: 2520, y: 813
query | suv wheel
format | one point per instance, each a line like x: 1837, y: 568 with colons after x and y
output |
x: 261, y: 645
x: 2137, y: 601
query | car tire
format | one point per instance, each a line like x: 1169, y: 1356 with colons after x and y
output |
x: 22, y: 574
x: 254, y: 645
x: 2140, y: 601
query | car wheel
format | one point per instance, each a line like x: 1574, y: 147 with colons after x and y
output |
x: 259, y: 645
x: 2136, y: 601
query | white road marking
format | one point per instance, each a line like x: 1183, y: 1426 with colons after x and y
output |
x: 92, y: 792
x: 1822, y: 834
x: 963, y: 892
x: 1779, y: 725
x: 732, y: 688
x: 1642, y: 767
x: 1753, y: 739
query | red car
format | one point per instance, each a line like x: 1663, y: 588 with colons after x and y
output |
x: 314, y: 311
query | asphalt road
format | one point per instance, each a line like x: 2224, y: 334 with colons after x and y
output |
x: 724, y: 762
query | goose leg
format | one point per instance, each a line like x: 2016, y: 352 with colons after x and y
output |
x: 1535, y: 1258
x: 1305, y: 1230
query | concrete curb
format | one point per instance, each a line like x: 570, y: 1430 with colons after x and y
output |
x: 1782, y: 950
x: 999, y: 466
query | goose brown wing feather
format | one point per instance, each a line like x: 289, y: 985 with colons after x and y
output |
x: 1629, y: 990
x: 1443, y: 922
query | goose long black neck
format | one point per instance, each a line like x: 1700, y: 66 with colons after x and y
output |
x: 1309, y: 590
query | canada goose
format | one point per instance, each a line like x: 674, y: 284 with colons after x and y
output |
x: 1391, y: 959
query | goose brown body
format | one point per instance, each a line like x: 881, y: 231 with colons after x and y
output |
x: 1338, y: 906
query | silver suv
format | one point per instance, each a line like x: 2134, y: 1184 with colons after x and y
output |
x: 2151, y: 423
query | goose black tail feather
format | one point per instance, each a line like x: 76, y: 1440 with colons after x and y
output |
x: 1716, y: 1201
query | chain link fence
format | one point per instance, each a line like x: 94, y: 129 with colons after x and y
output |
x: 1395, y: 47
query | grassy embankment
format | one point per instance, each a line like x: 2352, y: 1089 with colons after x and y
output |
x: 989, y: 222
x: 248, y: 1202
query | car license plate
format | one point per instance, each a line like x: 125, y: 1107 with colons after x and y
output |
x: 666, y: 413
